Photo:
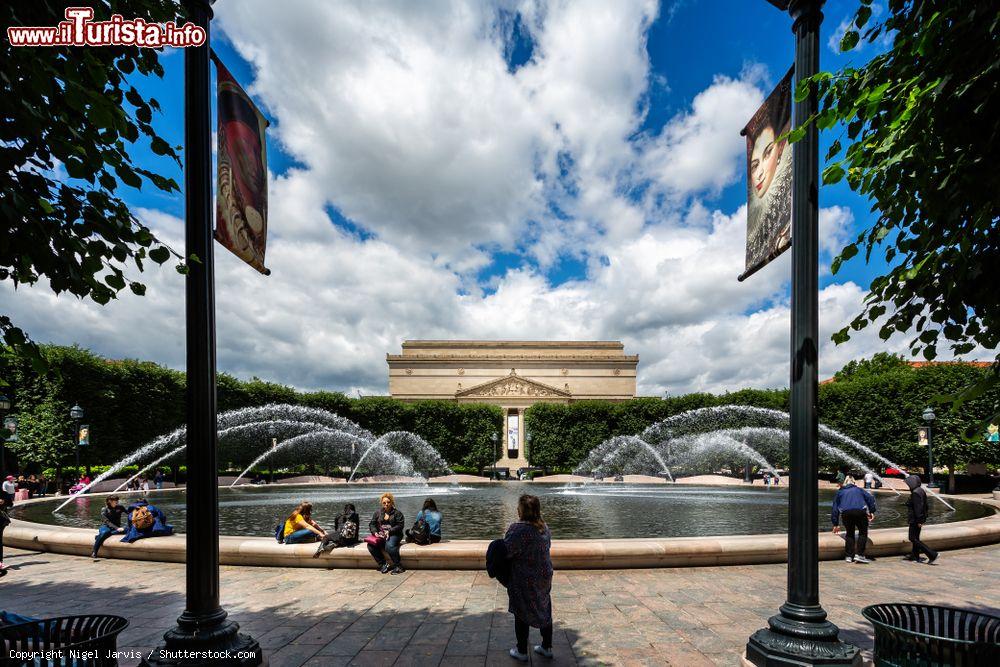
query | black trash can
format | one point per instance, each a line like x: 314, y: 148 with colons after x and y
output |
x: 920, y: 635
x: 80, y: 641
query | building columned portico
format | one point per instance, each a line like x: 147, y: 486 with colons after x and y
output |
x: 512, y: 375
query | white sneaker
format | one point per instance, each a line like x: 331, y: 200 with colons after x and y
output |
x: 542, y: 651
x: 517, y: 655
x: 848, y: 560
x: 861, y: 559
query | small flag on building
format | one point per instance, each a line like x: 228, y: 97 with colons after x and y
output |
x: 769, y: 179
x: 241, y: 195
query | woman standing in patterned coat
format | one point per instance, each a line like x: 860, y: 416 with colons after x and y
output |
x: 528, y: 542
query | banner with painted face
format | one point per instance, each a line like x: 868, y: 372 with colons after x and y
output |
x: 241, y: 195
x: 769, y: 179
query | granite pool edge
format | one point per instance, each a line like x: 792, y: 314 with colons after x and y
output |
x: 575, y: 554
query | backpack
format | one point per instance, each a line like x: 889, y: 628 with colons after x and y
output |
x: 878, y: 483
x: 279, y: 532
x: 420, y: 533
x: 349, y: 531
x: 142, y: 518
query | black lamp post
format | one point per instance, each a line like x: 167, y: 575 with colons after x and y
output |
x: 76, y: 413
x: 496, y: 455
x: 929, y: 417
x: 800, y: 633
x: 4, y: 407
x: 202, y: 629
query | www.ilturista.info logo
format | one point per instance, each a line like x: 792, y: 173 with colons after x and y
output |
x: 80, y: 30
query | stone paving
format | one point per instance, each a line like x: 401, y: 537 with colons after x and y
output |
x: 676, y: 616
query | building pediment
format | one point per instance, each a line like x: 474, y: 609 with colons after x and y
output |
x: 513, y: 386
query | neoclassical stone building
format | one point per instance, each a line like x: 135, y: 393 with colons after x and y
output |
x: 513, y: 375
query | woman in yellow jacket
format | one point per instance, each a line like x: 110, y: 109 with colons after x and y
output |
x: 300, y: 527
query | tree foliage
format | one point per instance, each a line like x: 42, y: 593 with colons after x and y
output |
x: 921, y: 131
x: 69, y: 117
x: 881, y: 362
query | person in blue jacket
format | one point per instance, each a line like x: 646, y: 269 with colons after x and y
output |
x: 430, y: 515
x: 158, y: 528
x: 856, y: 508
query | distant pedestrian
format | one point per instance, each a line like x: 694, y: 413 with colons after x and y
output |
x: 158, y: 479
x: 856, y: 507
x: 111, y: 523
x: 8, y: 489
x: 344, y: 533
x: 529, y: 590
x: 386, y: 529
x: 427, y: 527
x: 840, y: 478
x: 4, y: 522
x: 916, y: 517
x: 869, y: 479
x: 144, y: 484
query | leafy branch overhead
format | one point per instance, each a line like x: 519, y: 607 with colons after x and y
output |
x: 69, y: 118
x: 919, y: 135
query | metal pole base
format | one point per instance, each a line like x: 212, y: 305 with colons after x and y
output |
x: 206, y: 641
x: 800, y: 636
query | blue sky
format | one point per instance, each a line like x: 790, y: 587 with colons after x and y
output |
x: 517, y: 169
x: 688, y: 44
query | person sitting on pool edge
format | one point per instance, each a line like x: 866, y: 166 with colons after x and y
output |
x: 111, y: 523
x: 345, y: 531
x: 300, y: 527
x: 145, y: 520
x: 386, y: 529
x: 427, y: 527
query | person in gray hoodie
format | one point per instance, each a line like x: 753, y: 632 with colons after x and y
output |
x: 916, y: 516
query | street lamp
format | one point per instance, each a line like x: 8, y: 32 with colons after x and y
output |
x: 929, y: 417
x: 76, y: 413
x: 496, y: 455
x: 4, y: 407
x: 800, y: 633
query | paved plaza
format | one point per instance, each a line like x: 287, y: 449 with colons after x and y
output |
x: 674, y: 616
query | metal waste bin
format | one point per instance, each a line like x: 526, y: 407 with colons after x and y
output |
x: 79, y: 641
x: 920, y: 635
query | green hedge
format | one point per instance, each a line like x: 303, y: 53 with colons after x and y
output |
x: 129, y: 402
x: 563, y: 435
x: 881, y: 409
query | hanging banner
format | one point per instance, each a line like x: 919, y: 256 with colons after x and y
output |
x: 241, y: 195
x: 9, y: 429
x: 83, y: 438
x: 513, y: 438
x: 769, y: 179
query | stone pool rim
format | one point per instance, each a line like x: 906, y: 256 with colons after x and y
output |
x: 567, y: 554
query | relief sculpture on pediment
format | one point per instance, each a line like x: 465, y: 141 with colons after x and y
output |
x: 515, y: 388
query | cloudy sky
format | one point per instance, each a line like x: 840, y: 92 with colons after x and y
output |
x: 500, y: 170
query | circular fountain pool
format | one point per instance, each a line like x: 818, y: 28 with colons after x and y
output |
x: 484, y: 511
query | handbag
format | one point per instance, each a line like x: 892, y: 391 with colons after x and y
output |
x: 375, y: 541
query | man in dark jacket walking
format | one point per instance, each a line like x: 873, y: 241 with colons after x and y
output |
x: 916, y: 516
x: 857, y: 508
